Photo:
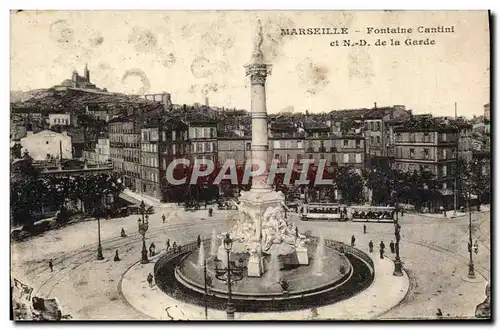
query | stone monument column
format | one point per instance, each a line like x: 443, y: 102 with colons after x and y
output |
x: 258, y: 71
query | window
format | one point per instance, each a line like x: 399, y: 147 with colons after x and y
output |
x: 426, y: 153
x: 398, y: 136
x: 358, y: 158
x: 378, y: 139
x: 276, y: 156
x: 358, y: 144
x: 249, y: 146
x: 276, y: 144
x: 426, y: 137
x: 443, y: 136
x: 346, y: 158
x: 412, y: 137
x: 372, y: 140
x: 445, y: 186
x: 444, y: 171
x: 412, y: 153
x: 377, y: 126
x: 322, y: 156
x: 445, y: 153
x: 173, y: 149
x: 173, y: 135
x: 310, y: 156
x: 346, y: 143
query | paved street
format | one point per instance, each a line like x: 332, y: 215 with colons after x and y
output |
x: 434, y: 252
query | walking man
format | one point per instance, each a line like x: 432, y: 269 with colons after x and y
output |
x: 370, y: 246
x: 364, y: 229
x: 150, y: 279
x: 353, y: 240
x: 198, y: 241
x: 51, y: 266
x: 168, y: 244
x: 122, y: 233
x: 392, y: 247
x: 117, y: 257
x: 382, y: 247
x: 163, y: 217
x: 152, y: 249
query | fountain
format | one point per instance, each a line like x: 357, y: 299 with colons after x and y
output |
x: 213, y: 243
x: 318, y: 257
x: 201, y: 255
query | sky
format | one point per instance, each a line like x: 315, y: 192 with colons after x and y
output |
x: 194, y: 55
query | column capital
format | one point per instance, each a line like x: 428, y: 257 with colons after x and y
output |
x: 258, y: 72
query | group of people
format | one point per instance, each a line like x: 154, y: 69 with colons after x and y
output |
x: 392, y: 247
x: 374, y: 215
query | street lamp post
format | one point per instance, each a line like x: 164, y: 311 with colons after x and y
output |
x: 233, y: 274
x: 398, y: 267
x: 143, y: 227
x: 205, y: 296
x: 99, y: 246
x: 471, y: 274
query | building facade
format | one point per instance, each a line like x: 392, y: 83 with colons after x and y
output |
x: 125, y: 150
x: 47, y: 144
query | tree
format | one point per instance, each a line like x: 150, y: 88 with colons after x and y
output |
x: 351, y: 185
x: 27, y: 190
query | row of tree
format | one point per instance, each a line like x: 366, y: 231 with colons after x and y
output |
x: 31, y: 193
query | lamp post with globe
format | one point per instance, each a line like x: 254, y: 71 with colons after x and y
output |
x: 143, y: 227
x: 230, y: 274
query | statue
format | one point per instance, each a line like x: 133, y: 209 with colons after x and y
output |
x: 257, y: 55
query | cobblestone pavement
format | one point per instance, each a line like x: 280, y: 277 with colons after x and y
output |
x: 434, y: 253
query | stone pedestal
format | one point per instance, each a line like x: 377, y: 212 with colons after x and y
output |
x: 254, y: 266
x: 302, y: 255
x: 256, y: 203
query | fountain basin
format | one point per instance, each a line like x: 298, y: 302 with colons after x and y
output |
x: 302, y: 279
x: 358, y: 278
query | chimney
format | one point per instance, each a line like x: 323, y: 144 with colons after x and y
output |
x: 206, y: 101
x: 375, y: 105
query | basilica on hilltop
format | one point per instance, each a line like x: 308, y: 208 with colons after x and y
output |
x: 79, y: 82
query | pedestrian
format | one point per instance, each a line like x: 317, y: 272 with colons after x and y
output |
x: 122, y: 233
x: 152, y: 248
x: 206, y: 203
x: 441, y: 208
x: 364, y: 229
x: 370, y: 246
x: 296, y: 232
x: 210, y: 212
x: 163, y: 218
x: 345, y: 212
x: 382, y: 247
x: 117, y: 257
x: 150, y: 279
x: 392, y: 247
x: 168, y: 244
x: 353, y: 240
x: 51, y: 266
x: 198, y: 241
x: 476, y: 247
x: 174, y: 247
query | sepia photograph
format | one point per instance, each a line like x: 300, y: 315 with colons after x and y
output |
x: 250, y: 165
